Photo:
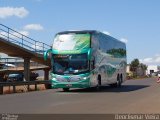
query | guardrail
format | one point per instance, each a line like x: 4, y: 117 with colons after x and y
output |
x: 28, y: 83
x: 22, y: 40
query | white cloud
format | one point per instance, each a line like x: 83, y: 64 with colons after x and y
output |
x: 124, y: 40
x: 157, y: 55
x: 38, y: 46
x: 33, y: 27
x: 26, y: 33
x: 106, y: 32
x: 155, y: 60
x: 148, y: 60
x: 14, y: 35
x: 3, y: 34
x: 11, y: 11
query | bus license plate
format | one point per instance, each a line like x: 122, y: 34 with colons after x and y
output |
x: 69, y: 85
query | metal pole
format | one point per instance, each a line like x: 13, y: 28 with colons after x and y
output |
x: 22, y: 40
x: 8, y: 34
x: 35, y: 45
x: 43, y: 48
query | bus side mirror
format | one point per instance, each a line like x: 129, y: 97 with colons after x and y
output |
x: 46, y: 54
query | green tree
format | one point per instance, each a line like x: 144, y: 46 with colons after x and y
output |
x: 143, y: 67
x: 134, y: 66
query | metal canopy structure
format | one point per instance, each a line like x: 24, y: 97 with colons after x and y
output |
x: 16, y: 44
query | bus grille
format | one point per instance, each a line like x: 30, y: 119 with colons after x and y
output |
x: 68, y: 79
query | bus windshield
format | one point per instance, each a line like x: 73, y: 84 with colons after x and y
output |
x: 70, y: 64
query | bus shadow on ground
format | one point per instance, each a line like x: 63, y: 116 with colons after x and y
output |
x: 123, y: 88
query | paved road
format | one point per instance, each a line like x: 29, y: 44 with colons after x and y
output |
x: 135, y: 96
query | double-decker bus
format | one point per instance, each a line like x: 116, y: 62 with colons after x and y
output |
x: 88, y: 58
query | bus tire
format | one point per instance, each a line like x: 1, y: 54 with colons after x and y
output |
x: 98, y: 83
x: 65, y: 89
x: 48, y: 86
x: 119, y: 81
x: 113, y: 85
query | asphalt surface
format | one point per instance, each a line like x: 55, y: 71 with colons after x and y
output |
x: 135, y: 96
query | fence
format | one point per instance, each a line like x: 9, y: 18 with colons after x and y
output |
x: 22, y: 40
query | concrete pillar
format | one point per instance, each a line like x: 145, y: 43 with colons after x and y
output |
x: 46, y: 74
x: 27, y: 69
x: 14, y: 89
x: 46, y: 77
x: 1, y: 89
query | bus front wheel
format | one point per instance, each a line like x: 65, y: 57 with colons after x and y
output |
x: 48, y: 86
x: 98, y: 83
x: 65, y: 89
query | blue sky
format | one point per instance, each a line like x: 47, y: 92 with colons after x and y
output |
x: 135, y: 21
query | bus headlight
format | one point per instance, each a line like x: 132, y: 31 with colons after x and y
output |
x: 85, y: 78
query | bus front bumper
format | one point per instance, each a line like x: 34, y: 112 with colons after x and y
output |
x: 80, y: 84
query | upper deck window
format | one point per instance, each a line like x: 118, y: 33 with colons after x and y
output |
x: 71, y: 41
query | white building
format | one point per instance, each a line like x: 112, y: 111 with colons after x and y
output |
x: 151, y: 69
x: 128, y: 68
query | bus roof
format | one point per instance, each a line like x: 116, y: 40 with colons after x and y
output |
x: 78, y: 31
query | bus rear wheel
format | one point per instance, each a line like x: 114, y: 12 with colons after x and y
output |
x: 65, y: 89
x: 118, y: 83
x: 113, y: 85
